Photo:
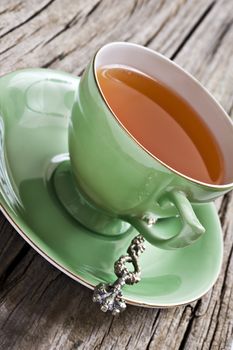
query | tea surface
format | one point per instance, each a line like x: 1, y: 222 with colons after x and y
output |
x: 162, y: 122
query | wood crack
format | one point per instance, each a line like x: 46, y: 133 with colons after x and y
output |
x: 49, y: 285
x: 68, y: 25
x: 189, y: 326
x: 60, y: 57
x: 13, y: 45
x: 12, y: 311
x: 162, y: 25
x: 128, y: 342
x: 93, y: 8
x: 209, y: 329
x: 226, y: 274
x: 135, y: 4
x: 193, y: 29
x: 28, y: 19
x: 156, y: 318
x: 14, y: 263
x: 154, y: 329
x: 223, y: 210
x: 12, y: 284
x: 54, y: 59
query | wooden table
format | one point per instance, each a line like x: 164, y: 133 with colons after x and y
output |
x: 40, y: 307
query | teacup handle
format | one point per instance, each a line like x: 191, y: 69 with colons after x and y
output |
x: 191, y: 230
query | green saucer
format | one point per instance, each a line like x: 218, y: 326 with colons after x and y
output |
x: 35, y: 106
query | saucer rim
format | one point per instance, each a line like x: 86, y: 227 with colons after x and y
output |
x: 84, y: 282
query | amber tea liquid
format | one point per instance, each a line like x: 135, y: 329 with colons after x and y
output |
x: 163, y: 122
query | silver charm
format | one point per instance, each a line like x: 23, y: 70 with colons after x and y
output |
x: 108, y: 295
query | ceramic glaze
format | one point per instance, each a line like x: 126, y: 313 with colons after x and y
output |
x: 121, y: 178
x: 34, y: 133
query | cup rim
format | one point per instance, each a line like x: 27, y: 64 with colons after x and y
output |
x: 161, y: 56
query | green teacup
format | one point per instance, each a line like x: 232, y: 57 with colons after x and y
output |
x: 113, y: 182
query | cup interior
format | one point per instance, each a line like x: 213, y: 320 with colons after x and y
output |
x: 167, y: 72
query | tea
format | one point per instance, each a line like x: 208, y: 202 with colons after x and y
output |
x: 162, y: 122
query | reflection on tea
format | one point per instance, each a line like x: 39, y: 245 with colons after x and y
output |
x: 162, y: 122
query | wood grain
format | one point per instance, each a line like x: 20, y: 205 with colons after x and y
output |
x: 40, y: 308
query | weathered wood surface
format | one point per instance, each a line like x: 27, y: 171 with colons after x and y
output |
x: 41, y: 308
